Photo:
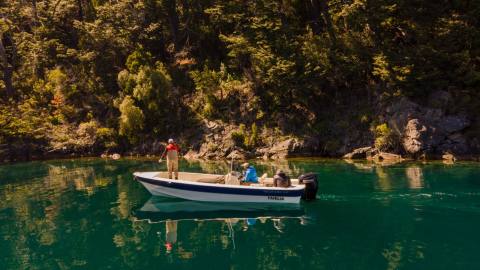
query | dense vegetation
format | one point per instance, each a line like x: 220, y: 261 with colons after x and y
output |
x: 89, y: 75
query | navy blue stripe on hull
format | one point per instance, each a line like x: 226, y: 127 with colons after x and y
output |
x: 223, y: 190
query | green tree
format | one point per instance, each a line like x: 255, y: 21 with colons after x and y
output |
x: 131, y: 120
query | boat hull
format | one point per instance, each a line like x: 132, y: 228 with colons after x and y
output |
x: 217, y: 192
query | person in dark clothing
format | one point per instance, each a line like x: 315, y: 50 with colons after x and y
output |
x: 281, y: 179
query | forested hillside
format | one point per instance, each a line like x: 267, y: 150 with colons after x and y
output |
x: 87, y: 76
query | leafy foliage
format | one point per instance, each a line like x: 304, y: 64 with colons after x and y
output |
x: 131, y: 119
x: 384, y: 137
x: 239, y: 136
x: 143, y: 67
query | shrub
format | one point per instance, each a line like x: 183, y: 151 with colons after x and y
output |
x: 208, y: 110
x: 364, y: 119
x: 131, y: 119
x: 251, y: 141
x: 384, y: 137
x: 238, y: 137
x: 138, y: 58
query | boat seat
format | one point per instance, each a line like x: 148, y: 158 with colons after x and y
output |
x: 232, y: 179
x: 211, y: 180
x: 196, y: 177
x: 257, y: 185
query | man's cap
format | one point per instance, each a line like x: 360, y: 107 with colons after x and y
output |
x: 171, y: 140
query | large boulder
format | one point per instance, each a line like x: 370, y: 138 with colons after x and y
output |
x: 449, y: 157
x: 289, y: 147
x: 281, y: 149
x: 398, y: 114
x: 454, y: 143
x: 237, y: 155
x: 453, y: 123
x: 387, y: 158
x: 440, y: 100
x: 428, y: 130
x: 414, y: 137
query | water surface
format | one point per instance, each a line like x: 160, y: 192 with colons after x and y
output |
x: 90, y: 214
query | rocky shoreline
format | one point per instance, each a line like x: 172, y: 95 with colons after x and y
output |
x: 281, y: 151
x: 416, y: 132
x: 410, y: 132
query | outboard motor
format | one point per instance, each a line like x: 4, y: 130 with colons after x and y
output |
x: 311, y: 186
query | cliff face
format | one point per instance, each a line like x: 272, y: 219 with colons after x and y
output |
x: 416, y: 131
x: 430, y: 131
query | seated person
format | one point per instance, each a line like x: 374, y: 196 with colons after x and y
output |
x: 249, y: 174
x: 281, y: 179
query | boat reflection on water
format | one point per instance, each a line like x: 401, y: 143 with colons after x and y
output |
x: 158, y: 209
x: 239, y: 216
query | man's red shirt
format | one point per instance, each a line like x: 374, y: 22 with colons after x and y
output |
x: 172, y: 146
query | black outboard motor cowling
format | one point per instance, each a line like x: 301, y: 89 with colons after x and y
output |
x: 311, y: 186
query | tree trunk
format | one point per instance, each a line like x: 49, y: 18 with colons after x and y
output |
x: 315, y: 22
x: 328, y: 21
x: 321, y: 7
x: 80, y: 10
x: 171, y: 6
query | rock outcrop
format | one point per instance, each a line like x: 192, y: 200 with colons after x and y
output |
x: 373, y: 154
x: 360, y: 153
x: 388, y: 157
x: 422, y: 132
x: 414, y: 136
x: 289, y: 147
x: 449, y: 157
x: 217, y: 143
x: 427, y: 130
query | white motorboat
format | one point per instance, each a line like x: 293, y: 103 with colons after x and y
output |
x: 217, y: 188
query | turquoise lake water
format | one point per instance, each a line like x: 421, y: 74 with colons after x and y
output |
x: 90, y: 214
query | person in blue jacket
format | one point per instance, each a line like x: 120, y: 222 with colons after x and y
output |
x: 249, y: 173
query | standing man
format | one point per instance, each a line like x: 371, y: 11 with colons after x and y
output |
x: 172, y: 151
